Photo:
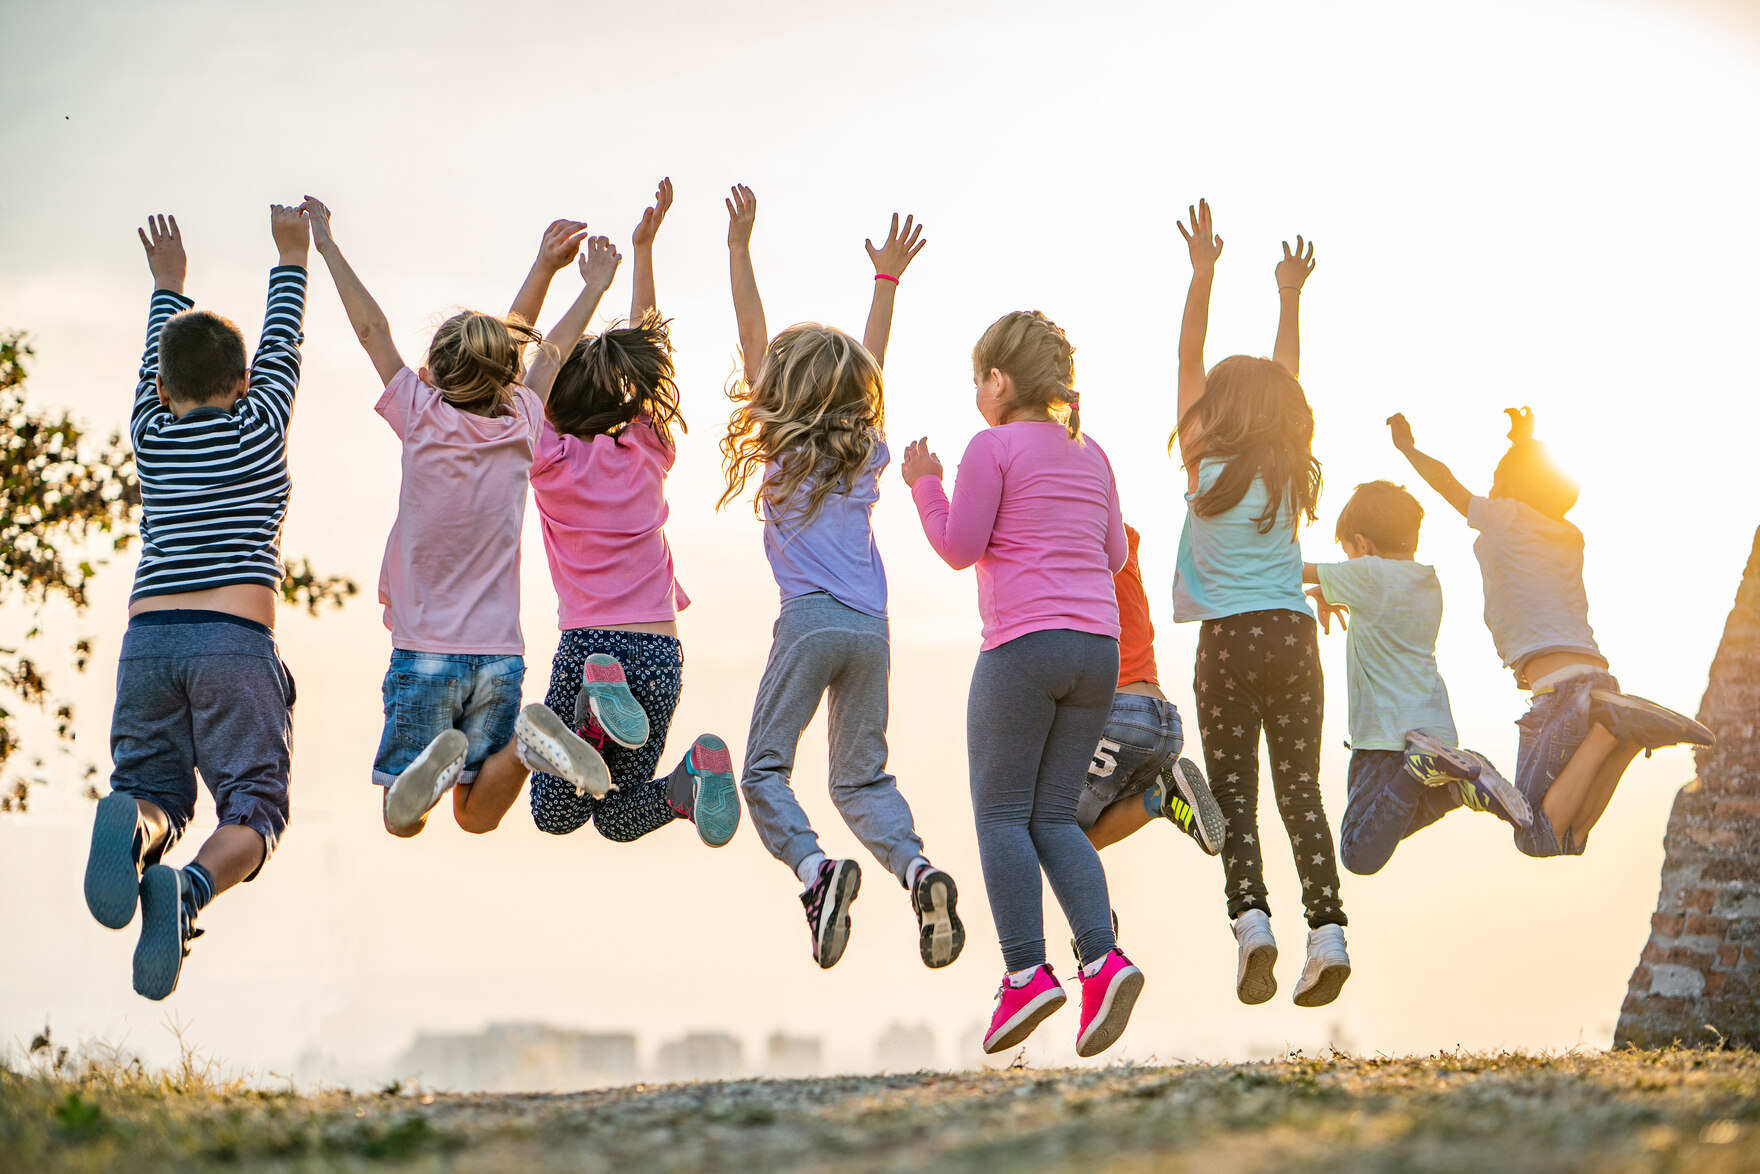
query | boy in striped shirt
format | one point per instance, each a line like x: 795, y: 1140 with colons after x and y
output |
x: 201, y: 685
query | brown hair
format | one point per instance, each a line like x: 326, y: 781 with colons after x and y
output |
x: 1526, y: 473
x: 1385, y: 514
x: 815, y: 410
x: 1033, y: 351
x: 616, y: 377
x: 476, y: 360
x: 1254, y: 416
x: 201, y: 356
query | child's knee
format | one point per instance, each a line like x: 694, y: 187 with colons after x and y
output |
x: 1358, y: 860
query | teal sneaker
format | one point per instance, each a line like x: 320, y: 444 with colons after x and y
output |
x: 702, y: 790
x: 113, y: 866
x: 605, y: 694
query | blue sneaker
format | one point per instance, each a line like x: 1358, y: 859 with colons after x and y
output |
x: 168, y: 917
x: 113, y: 866
x: 1435, y: 763
x: 702, y: 790
x: 605, y: 694
x: 1492, y: 792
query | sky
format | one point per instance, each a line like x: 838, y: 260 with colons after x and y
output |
x: 1543, y: 202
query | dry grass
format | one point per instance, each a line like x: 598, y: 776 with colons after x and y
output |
x: 1610, y: 1113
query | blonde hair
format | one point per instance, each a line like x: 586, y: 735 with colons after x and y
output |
x: 1032, y: 350
x: 475, y: 360
x: 1527, y: 474
x: 814, y: 410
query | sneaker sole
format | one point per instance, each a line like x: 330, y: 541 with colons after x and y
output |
x: 1326, y: 986
x: 543, y: 737
x: 424, y: 782
x: 833, y: 935
x: 1195, y: 790
x: 1505, y: 794
x: 1258, y: 979
x: 615, y: 708
x: 1649, y: 725
x: 942, y: 937
x: 1115, y: 1014
x: 1457, y: 762
x: 113, y: 876
x: 1026, y: 1021
x: 158, y: 957
x: 714, y: 795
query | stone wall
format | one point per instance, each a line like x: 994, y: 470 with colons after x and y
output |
x: 1698, y: 978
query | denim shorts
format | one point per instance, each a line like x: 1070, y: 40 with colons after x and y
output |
x: 427, y: 693
x: 1554, y: 727
x: 1142, y: 735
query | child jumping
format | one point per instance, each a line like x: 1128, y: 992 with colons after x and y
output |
x: 1245, y: 436
x: 469, y: 421
x: 811, y: 418
x: 1580, y: 732
x: 1035, y: 508
x: 1406, y: 770
x: 200, y: 684
x: 599, y: 480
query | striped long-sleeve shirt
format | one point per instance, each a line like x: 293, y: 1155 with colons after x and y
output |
x: 214, y: 483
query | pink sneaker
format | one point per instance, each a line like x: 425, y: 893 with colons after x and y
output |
x: 1107, y: 999
x: 1020, y: 1009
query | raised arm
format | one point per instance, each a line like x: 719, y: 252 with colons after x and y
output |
x: 641, y: 298
x: 1291, y: 272
x: 275, y: 369
x: 598, y: 266
x: 556, y: 251
x: 959, y: 531
x: 169, y: 265
x: 748, y: 308
x: 1429, y: 468
x: 889, y: 260
x: 1205, y: 246
x: 364, y: 314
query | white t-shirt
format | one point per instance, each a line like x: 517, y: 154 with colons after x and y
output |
x: 1533, y: 571
x: 1390, y: 650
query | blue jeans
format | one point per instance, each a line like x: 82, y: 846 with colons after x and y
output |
x: 1142, y: 736
x: 1554, y: 727
x: 1384, y: 804
x: 430, y: 692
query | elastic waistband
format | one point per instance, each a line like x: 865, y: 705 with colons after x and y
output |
x: 184, y: 615
x: 1569, y: 672
x: 607, y: 634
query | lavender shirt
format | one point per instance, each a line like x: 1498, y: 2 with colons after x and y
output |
x: 835, y: 552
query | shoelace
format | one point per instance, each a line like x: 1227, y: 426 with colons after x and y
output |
x: 592, y: 732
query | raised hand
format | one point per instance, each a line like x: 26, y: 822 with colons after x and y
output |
x: 1202, y: 240
x: 643, y: 237
x: 561, y: 244
x: 742, y: 212
x: 166, y: 259
x: 900, y: 247
x: 292, y: 232
x: 919, y: 462
x: 1402, y: 433
x: 319, y: 218
x: 1328, y: 611
x: 1293, y: 270
x: 599, y: 261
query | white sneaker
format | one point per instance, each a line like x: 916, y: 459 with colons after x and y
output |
x: 547, y: 745
x: 1255, y: 978
x: 424, y: 782
x: 1327, y: 967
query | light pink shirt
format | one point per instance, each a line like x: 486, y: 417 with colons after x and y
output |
x: 1038, y: 513
x: 450, y: 581
x: 603, y: 503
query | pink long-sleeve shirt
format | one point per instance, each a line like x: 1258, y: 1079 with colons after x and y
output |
x: 1038, y: 514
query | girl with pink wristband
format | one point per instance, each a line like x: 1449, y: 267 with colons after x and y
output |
x: 1035, y: 508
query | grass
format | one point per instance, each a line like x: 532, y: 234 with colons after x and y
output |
x: 1610, y: 1113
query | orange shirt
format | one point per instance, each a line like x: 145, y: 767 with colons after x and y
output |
x: 1136, y: 637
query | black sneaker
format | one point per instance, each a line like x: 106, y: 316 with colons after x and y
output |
x: 113, y: 866
x: 827, y: 901
x: 940, y: 936
x: 1649, y: 725
x: 1076, y: 950
x: 1191, y: 807
x: 168, y: 925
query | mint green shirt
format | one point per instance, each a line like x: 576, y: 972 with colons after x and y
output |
x: 1390, y: 650
x: 1225, y: 567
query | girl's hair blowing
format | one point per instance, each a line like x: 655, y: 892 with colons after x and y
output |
x: 615, y: 377
x: 476, y: 360
x: 1031, y: 350
x: 814, y: 410
x: 1255, y: 417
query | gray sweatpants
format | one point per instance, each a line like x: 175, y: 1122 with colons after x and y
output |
x: 823, y: 647
x: 1038, y: 706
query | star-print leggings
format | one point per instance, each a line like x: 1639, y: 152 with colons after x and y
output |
x: 654, y: 667
x: 1261, y: 670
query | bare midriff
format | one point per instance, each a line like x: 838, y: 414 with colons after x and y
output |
x: 1547, y: 663
x: 252, y: 601
x: 1143, y: 689
x: 652, y: 627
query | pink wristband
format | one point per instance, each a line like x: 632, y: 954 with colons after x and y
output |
x: 886, y: 277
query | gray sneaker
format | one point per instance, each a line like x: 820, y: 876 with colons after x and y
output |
x: 547, y: 745
x: 425, y: 781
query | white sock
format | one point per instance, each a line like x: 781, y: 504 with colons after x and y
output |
x: 1018, y: 978
x: 1093, y: 968
x: 808, y: 869
x: 915, y: 869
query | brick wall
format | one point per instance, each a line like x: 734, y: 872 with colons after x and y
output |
x: 1699, y: 975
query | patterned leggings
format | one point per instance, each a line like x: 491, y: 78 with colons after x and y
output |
x: 654, y: 665
x: 1261, y: 670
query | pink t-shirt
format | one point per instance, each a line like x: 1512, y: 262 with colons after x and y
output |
x: 450, y: 582
x: 1038, y: 513
x: 603, y: 503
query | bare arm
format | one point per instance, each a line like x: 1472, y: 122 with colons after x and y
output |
x: 1429, y: 468
x: 561, y: 244
x: 889, y: 260
x: 748, y: 308
x: 1205, y: 246
x: 598, y: 266
x: 641, y: 298
x: 1291, y: 272
x: 364, y: 314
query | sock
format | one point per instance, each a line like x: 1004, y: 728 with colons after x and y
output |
x: 201, y: 885
x: 808, y: 869
x: 1093, y: 968
x: 1018, y: 978
x: 915, y: 869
